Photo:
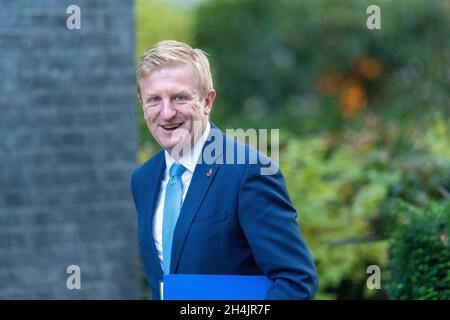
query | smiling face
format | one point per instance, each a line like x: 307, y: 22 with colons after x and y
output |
x: 173, y: 105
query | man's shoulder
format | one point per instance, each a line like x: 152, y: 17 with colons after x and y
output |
x: 149, y: 165
x: 243, y: 151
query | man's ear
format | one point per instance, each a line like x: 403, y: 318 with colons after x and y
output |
x: 209, y: 100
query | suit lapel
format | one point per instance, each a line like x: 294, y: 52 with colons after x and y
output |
x: 197, y: 190
x: 200, y: 183
x: 152, y: 195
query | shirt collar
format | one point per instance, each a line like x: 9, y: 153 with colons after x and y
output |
x: 190, y: 159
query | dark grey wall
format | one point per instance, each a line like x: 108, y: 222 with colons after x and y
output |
x: 68, y: 140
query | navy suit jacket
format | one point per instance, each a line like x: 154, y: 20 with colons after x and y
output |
x: 233, y: 221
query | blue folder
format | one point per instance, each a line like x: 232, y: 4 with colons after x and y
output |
x: 214, y: 287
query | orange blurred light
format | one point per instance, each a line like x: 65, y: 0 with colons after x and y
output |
x: 353, y: 100
x: 330, y: 83
x: 368, y: 67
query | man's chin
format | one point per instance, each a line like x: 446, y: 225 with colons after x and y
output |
x: 177, y: 150
x: 168, y: 146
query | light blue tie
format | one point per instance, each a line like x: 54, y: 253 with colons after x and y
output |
x: 172, y: 206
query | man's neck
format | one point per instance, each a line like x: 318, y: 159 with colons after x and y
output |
x: 189, y: 156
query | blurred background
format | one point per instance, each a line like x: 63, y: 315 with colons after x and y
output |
x: 363, y: 118
x: 364, y: 123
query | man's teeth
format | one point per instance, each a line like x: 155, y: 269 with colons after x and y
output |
x: 171, y: 126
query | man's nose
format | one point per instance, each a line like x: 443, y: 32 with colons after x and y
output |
x: 167, y: 111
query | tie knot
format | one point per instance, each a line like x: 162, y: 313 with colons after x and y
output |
x: 176, y: 169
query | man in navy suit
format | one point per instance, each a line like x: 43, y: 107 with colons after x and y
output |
x: 201, y: 209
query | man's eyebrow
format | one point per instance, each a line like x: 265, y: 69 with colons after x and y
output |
x: 183, y: 92
x: 150, y: 94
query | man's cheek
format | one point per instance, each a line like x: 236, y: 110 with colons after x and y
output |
x: 198, y: 110
x: 188, y: 110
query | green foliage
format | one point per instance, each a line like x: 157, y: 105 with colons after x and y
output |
x: 336, y: 193
x: 345, y: 194
x: 420, y: 253
x: 313, y: 65
x: 157, y: 21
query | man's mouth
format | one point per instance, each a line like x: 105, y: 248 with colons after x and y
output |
x: 171, y: 127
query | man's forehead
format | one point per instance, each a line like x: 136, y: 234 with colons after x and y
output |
x: 184, y: 70
x: 170, y: 78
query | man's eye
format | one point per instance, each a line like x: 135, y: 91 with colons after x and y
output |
x: 153, y: 100
x: 180, y: 98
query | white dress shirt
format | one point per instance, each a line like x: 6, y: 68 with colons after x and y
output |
x: 188, y: 161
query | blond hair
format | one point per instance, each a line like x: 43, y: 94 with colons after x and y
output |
x: 171, y: 53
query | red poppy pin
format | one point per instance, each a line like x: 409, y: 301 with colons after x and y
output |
x: 208, y: 174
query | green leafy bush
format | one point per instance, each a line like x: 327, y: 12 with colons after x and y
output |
x: 337, y: 193
x: 420, y: 253
x: 345, y: 189
x: 314, y: 65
